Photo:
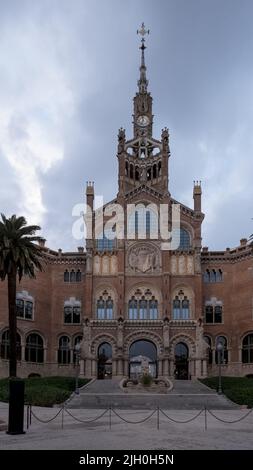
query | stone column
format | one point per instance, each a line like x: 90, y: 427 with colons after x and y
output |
x: 94, y: 368
x: 88, y: 372
x: 114, y: 367
x: 81, y: 368
x: 204, y: 368
x: 126, y: 369
x: 166, y: 367
x: 120, y: 367
x: 160, y: 367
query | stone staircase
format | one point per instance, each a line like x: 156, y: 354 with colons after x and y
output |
x: 185, y: 395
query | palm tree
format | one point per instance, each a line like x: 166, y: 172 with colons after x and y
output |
x: 19, y: 256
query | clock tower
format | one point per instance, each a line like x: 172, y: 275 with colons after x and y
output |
x: 143, y: 160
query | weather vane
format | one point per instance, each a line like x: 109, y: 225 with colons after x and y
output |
x: 142, y: 32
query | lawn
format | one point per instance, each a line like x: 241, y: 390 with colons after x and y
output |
x: 45, y: 391
x: 237, y: 389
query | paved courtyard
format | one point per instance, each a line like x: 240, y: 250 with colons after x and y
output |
x: 100, y: 436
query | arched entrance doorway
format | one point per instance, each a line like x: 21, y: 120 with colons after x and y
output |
x: 181, y: 361
x: 142, y: 359
x: 105, y: 361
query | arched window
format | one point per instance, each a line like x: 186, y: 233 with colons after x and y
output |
x: 207, y: 276
x: 20, y: 308
x: 143, y: 223
x: 24, y: 305
x: 185, y: 241
x: 218, y: 275
x: 34, y: 348
x: 66, y: 276
x: 153, y: 309
x: 109, y: 308
x: 223, y: 352
x: 213, y: 275
x: 218, y: 314
x: 72, y: 276
x: 100, y: 308
x: 143, y: 307
x: 64, y: 350
x: 209, y: 349
x: 247, y: 349
x: 182, y: 239
x: 176, y: 308
x: 105, y: 307
x: 213, y: 311
x: 132, y: 309
x: 5, y: 345
x: 105, y: 242
x: 72, y: 312
x: 185, y: 309
x: 78, y: 276
x: 181, y: 307
x: 209, y: 313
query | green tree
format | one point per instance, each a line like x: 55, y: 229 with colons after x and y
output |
x: 19, y: 256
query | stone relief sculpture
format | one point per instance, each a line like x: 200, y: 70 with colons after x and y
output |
x: 143, y: 259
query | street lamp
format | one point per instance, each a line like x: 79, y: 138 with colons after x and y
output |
x: 219, y: 348
x: 77, y: 352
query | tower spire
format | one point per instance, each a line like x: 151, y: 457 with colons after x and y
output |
x: 143, y: 82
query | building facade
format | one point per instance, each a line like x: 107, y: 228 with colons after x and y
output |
x: 133, y: 305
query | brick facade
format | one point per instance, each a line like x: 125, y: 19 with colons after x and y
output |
x: 176, y: 285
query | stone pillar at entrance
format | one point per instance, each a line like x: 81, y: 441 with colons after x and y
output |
x: 166, y: 367
x: 126, y: 367
x: 81, y: 368
x: 120, y: 367
x: 114, y: 367
x: 94, y: 368
x: 88, y: 372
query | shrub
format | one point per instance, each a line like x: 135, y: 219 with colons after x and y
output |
x: 146, y: 379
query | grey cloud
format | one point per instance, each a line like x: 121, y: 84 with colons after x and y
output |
x: 200, y: 72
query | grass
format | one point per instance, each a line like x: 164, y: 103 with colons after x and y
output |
x: 43, y: 391
x: 237, y: 389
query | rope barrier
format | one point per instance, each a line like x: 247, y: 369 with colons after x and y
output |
x: 229, y: 422
x: 111, y: 410
x: 48, y: 420
x: 86, y: 421
x: 181, y: 422
x: 134, y: 422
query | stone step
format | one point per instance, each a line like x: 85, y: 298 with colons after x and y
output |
x: 149, y: 401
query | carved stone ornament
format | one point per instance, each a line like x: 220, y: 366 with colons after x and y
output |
x: 143, y: 259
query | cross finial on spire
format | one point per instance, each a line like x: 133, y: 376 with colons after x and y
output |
x: 143, y: 82
x: 143, y: 31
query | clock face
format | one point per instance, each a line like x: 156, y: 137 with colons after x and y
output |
x: 143, y: 120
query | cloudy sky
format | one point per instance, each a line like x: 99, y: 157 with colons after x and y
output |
x: 68, y: 72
